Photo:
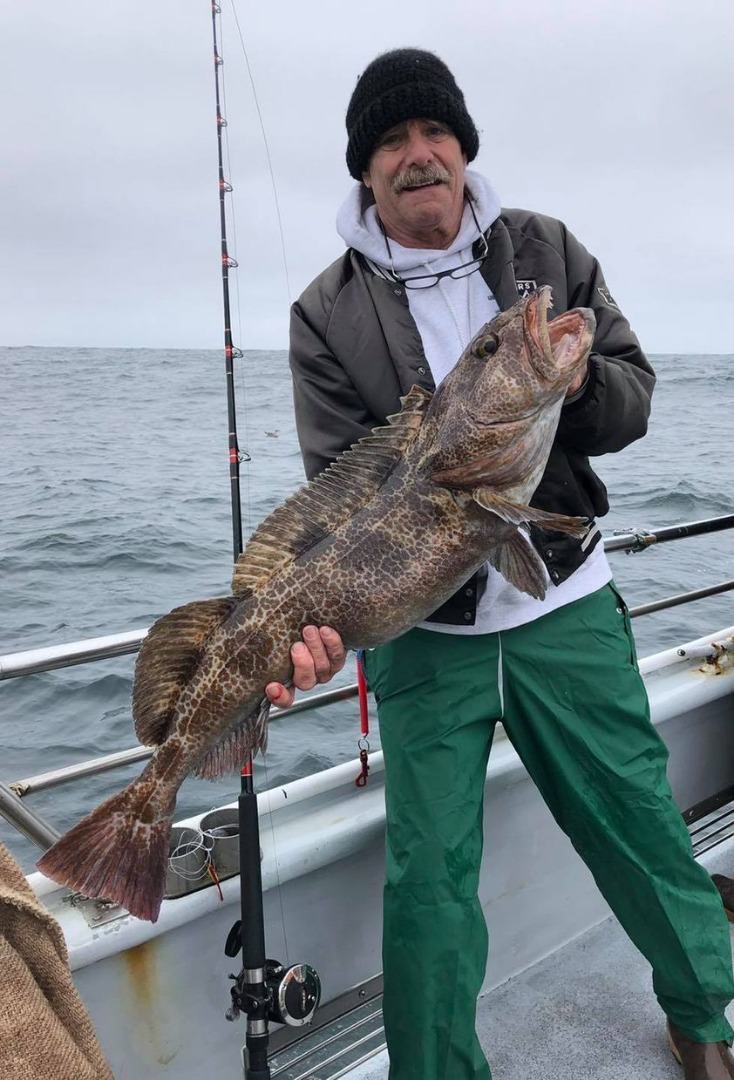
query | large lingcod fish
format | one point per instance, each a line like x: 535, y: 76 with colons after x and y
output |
x: 370, y: 547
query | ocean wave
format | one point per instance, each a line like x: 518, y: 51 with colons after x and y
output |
x: 115, y: 498
x: 665, y: 506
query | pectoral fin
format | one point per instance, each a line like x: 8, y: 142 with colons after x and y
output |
x: 519, y: 564
x: 518, y: 514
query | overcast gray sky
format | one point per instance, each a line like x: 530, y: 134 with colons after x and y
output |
x: 614, y: 115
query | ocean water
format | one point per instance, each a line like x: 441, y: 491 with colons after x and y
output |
x: 114, y: 508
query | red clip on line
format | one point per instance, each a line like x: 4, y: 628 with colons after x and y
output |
x: 364, y: 725
x: 213, y: 875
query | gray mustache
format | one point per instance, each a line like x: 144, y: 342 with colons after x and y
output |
x: 420, y: 174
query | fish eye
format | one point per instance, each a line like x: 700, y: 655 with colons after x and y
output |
x: 485, y: 347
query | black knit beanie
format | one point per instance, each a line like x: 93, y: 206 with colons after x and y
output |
x: 404, y: 84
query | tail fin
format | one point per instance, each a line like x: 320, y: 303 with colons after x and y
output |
x: 113, y: 854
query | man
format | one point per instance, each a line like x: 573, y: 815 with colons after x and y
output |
x: 431, y: 257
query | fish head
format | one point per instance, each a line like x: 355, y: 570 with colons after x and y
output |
x: 496, y: 413
x: 522, y: 360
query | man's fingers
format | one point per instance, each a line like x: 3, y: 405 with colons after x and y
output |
x: 319, y: 655
x: 316, y: 659
x: 304, y: 667
x: 327, y: 652
x: 334, y: 648
x: 279, y: 695
x: 578, y: 382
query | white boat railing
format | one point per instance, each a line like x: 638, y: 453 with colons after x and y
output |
x: 53, y: 657
x: 141, y: 753
x: 39, y: 832
x: 34, y: 661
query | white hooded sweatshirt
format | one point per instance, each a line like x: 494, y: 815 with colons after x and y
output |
x: 448, y: 315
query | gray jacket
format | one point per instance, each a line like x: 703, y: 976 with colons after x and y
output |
x: 355, y: 349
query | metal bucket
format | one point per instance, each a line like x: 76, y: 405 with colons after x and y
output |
x: 221, y: 831
x: 188, y: 854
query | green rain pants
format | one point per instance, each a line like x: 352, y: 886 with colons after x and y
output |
x: 568, y: 692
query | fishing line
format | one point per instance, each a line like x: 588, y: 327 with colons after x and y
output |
x: 214, y: 835
x: 184, y: 851
x: 277, y: 863
x: 267, y: 154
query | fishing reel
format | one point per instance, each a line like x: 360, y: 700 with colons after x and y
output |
x: 286, y: 995
x: 295, y: 993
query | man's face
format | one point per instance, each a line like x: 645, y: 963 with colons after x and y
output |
x: 416, y: 175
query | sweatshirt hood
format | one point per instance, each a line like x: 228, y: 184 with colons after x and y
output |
x: 359, y: 227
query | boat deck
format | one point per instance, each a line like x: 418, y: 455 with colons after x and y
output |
x: 587, y: 1012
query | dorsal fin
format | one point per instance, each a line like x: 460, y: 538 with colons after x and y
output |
x: 336, y: 494
x: 166, y: 660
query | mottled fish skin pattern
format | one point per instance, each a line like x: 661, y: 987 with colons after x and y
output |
x: 371, y: 548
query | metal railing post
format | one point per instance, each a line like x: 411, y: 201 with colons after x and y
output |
x: 25, y: 821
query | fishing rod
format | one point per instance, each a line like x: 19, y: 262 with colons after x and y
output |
x: 231, y: 353
x: 265, y: 990
x: 632, y: 542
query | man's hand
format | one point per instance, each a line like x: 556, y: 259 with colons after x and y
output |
x: 315, y: 660
x: 578, y: 382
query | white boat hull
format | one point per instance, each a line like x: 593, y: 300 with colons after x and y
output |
x: 158, y: 994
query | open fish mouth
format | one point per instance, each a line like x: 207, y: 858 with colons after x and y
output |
x: 561, y: 344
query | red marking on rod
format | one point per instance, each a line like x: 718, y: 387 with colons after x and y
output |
x: 246, y: 769
x: 364, y: 725
x: 233, y: 457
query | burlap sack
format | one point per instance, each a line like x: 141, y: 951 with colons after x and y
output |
x: 45, y: 1032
